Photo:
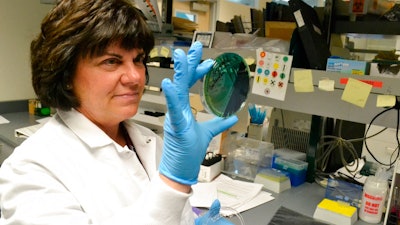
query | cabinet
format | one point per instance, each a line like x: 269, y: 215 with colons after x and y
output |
x: 363, y: 36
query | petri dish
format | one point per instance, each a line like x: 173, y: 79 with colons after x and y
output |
x: 226, y: 85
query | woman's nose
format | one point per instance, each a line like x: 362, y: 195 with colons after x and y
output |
x: 132, y: 74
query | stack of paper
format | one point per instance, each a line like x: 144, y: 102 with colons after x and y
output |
x: 235, y: 196
x: 26, y: 132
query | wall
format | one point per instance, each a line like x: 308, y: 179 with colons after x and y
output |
x: 203, y: 18
x: 19, y: 22
x: 225, y: 15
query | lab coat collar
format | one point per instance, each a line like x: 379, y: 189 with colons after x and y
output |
x: 85, y: 129
x: 144, y: 140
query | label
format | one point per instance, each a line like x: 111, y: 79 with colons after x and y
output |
x: 372, y: 204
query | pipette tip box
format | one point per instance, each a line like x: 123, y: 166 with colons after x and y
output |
x: 335, y: 212
x: 273, y: 180
x: 297, y: 169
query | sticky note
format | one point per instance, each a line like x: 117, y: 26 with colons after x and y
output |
x: 164, y: 52
x: 326, y: 85
x: 385, y: 100
x: 153, y: 53
x: 356, y: 92
x: 303, y: 81
x: 249, y: 60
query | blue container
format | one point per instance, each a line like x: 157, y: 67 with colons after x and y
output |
x: 297, y: 169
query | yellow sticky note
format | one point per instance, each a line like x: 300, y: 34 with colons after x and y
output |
x: 303, y: 81
x: 164, y: 51
x: 385, y: 100
x: 326, y: 85
x: 249, y: 60
x: 356, y: 92
x: 153, y: 53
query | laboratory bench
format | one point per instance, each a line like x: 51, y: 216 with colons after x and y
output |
x: 302, y: 199
x: 8, y: 141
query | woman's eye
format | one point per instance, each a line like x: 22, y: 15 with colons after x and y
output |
x: 139, y: 59
x: 111, y: 61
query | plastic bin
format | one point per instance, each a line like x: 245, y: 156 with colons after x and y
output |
x: 246, y: 156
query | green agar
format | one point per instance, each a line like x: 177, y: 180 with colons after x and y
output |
x: 226, y: 85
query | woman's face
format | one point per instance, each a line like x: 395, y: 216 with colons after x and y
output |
x: 110, y: 86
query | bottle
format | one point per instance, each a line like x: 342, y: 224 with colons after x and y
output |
x: 373, y: 199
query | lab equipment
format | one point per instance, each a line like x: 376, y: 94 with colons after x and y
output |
x: 185, y: 140
x: 210, y: 167
x: 273, y: 179
x: 257, y: 115
x: 297, y: 169
x: 394, y: 213
x: 340, y: 190
x: 226, y: 85
x: 335, y: 212
x: 373, y: 199
x: 286, y: 216
x: 247, y: 156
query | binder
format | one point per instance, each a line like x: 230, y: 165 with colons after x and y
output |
x: 311, y: 34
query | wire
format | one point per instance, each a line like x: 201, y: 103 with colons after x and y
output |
x: 337, y: 143
x: 391, y: 162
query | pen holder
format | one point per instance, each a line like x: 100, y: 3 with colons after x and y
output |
x: 255, y: 131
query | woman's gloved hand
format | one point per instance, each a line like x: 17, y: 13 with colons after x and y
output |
x: 213, y: 217
x: 185, y: 140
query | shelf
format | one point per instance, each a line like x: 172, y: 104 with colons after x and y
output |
x: 323, y: 103
x: 367, y: 27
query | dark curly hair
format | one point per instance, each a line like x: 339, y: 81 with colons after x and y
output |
x: 81, y: 28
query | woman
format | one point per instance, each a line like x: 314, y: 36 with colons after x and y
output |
x: 90, y: 164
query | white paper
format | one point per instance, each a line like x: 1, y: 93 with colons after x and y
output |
x: 272, y: 73
x: 26, y: 132
x: 234, y: 193
x: 259, y: 199
x: 235, y: 196
x: 3, y: 120
x: 299, y: 18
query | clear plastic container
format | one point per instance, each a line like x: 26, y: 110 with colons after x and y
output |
x: 373, y: 199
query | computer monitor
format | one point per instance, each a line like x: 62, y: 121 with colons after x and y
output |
x: 308, y: 38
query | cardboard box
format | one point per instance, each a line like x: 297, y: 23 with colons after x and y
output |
x: 347, y: 66
x: 279, y: 29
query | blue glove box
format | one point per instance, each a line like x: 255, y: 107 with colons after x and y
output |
x: 297, y: 169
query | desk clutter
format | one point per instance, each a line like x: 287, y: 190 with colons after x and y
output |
x: 257, y: 161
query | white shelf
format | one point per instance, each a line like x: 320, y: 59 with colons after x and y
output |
x: 322, y: 103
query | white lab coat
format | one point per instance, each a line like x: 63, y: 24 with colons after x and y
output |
x: 71, y: 172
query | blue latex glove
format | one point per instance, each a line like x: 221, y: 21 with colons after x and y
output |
x: 185, y: 140
x: 213, y: 216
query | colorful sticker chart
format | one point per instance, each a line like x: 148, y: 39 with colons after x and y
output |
x: 272, y: 74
